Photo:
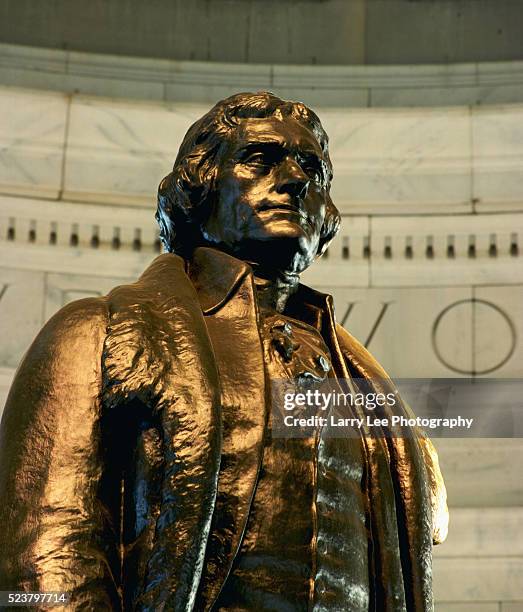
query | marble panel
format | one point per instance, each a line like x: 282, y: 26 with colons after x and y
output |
x: 344, y: 263
x: 472, y: 579
x: 64, y: 288
x: 395, y: 160
x: 467, y: 607
x: 6, y: 378
x: 482, y: 231
x: 21, y: 312
x: 497, y: 136
x: 106, y: 262
x: 483, y: 532
x: 512, y: 606
x: 498, y: 346
x: 32, y: 135
x: 400, y: 159
x: 118, y: 152
x: 482, y: 472
x: 35, y: 222
x: 397, y: 326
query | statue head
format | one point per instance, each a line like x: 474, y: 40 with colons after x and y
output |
x: 252, y: 178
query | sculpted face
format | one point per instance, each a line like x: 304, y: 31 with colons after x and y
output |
x: 270, y: 195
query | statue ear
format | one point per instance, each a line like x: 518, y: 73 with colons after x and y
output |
x: 164, y: 213
x: 193, y: 181
x: 185, y: 200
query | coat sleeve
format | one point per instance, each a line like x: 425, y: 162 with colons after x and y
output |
x: 59, y: 494
x: 438, y: 492
x: 366, y: 365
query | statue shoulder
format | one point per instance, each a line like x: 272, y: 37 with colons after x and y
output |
x: 75, y: 327
x: 69, y: 349
x: 91, y: 317
x: 358, y: 356
x: 85, y: 323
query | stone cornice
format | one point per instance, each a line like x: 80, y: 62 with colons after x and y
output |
x: 204, y: 82
x: 430, y: 250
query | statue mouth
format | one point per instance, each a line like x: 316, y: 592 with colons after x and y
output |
x: 287, y: 207
x: 290, y: 209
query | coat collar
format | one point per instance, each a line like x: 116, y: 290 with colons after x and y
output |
x: 216, y: 276
x: 160, y: 311
x: 221, y: 281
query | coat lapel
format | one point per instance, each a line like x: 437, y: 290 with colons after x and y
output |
x: 400, y: 505
x: 226, y: 292
x: 401, y: 502
x: 160, y: 377
x: 396, y: 469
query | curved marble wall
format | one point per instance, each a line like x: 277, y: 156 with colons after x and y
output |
x: 430, y: 198
x: 342, y: 86
x: 426, y: 271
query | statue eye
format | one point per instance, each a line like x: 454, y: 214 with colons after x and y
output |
x: 313, y: 173
x: 257, y: 159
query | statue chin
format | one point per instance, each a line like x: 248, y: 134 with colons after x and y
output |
x: 278, y: 257
x: 283, y: 240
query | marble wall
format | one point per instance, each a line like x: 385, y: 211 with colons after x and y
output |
x: 395, y: 161
x: 340, y: 86
x: 426, y: 270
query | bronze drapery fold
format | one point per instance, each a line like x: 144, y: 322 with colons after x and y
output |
x: 143, y: 334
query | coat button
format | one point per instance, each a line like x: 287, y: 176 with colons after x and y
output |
x: 324, y: 364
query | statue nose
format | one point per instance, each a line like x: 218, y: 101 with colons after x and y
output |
x: 293, y: 180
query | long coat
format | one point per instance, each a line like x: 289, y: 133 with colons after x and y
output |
x: 132, y: 438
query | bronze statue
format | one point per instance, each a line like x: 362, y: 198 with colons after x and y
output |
x: 137, y: 466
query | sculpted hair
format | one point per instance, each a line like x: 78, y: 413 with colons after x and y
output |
x: 185, y: 196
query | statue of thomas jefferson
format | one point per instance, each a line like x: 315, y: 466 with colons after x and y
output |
x: 137, y: 466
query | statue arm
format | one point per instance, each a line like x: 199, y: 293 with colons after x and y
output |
x: 366, y: 366
x: 438, y: 492
x: 59, y: 496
